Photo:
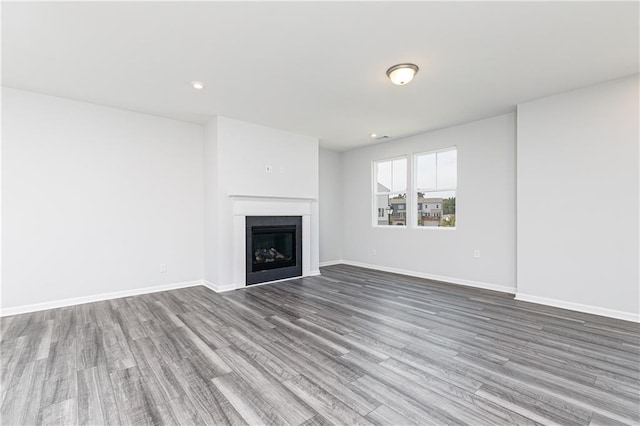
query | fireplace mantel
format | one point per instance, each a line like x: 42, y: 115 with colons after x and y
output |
x: 271, y: 197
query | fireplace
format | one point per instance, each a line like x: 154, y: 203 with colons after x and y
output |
x: 274, y: 248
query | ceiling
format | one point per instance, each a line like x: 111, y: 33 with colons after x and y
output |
x: 317, y: 68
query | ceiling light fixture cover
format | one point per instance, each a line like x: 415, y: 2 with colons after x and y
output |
x: 401, y: 74
x: 198, y: 85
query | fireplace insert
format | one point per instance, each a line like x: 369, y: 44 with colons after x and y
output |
x: 274, y: 248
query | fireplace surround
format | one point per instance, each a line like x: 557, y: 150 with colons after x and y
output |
x: 244, y: 206
x: 273, y: 248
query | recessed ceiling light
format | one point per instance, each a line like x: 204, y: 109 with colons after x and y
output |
x: 401, y: 74
x: 373, y: 135
x: 198, y: 85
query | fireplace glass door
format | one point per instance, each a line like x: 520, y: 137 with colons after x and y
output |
x: 273, y: 247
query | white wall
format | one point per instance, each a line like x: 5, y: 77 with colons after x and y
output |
x: 95, y: 199
x: 246, y: 149
x: 486, y: 202
x: 578, y: 187
x: 243, y: 152
x: 331, y: 209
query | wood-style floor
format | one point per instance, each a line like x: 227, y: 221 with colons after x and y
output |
x: 351, y: 346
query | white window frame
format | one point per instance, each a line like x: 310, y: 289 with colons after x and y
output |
x: 414, y: 188
x: 375, y: 193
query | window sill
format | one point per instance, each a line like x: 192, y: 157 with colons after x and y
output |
x: 442, y: 228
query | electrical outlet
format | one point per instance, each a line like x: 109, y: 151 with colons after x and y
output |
x: 476, y: 254
x: 268, y: 169
x: 163, y: 268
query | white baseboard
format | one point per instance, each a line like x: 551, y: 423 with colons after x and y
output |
x: 95, y: 298
x: 331, y: 262
x: 588, y: 309
x: 452, y: 280
x: 221, y: 289
x: 218, y: 288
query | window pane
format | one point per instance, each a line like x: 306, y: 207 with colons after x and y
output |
x: 398, y: 212
x: 382, y: 204
x: 437, y: 208
x: 447, y: 169
x: 399, y: 175
x: 426, y: 171
x: 383, y: 174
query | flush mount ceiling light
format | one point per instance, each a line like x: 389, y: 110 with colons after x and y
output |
x: 198, y: 85
x: 373, y: 135
x: 401, y: 74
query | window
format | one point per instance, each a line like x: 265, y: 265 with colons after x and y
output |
x: 390, y: 192
x: 436, y: 176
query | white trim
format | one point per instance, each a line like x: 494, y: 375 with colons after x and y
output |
x: 331, y: 262
x: 243, y: 207
x: 415, y: 189
x: 451, y: 280
x: 218, y: 288
x: 374, y: 185
x: 314, y: 273
x: 442, y: 228
x: 273, y: 197
x: 268, y: 282
x: 588, y: 309
x: 95, y: 298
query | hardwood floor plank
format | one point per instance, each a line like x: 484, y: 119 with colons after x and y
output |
x: 116, y: 348
x: 60, y: 376
x: 323, y: 402
x: 331, y: 375
x: 32, y: 411
x: 251, y: 404
x: 292, y: 408
x: 391, y: 397
x: 61, y: 413
x: 96, y: 401
x: 350, y: 346
x: 151, y: 365
x: 136, y: 405
x: 66, y: 324
x: 384, y: 415
x: 184, y: 411
x: 22, y: 402
x: 211, y: 404
x: 90, y: 349
x: 11, y: 351
x: 192, y: 347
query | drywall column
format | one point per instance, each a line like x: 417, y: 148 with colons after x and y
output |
x: 210, y: 164
x: 252, y: 161
x: 331, y: 209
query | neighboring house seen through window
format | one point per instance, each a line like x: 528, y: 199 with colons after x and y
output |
x: 432, y: 190
x: 390, y: 191
x: 436, y: 178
